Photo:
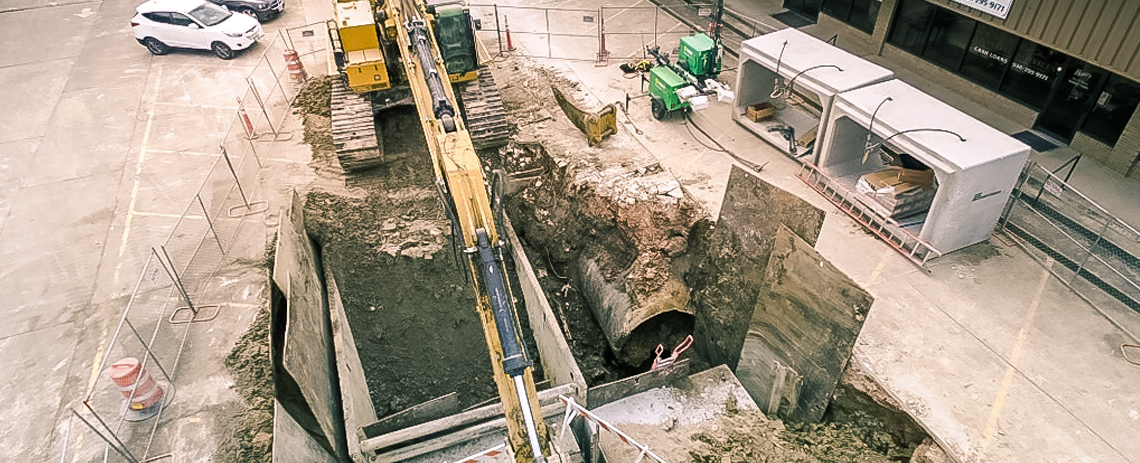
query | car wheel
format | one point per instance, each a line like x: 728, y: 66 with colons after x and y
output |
x: 657, y: 105
x: 155, y: 46
x: 222, y: 50
x: 249, y: 12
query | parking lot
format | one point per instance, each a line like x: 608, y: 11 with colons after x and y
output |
x: 102, y: 149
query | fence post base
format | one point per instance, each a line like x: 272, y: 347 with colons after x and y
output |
x: 196, y: 315
x: 255, y: 207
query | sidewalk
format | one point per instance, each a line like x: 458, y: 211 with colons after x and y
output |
x: 998, y: 359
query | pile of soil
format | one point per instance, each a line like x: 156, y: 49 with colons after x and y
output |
x: 249, y: 434
x: 749, y: 437
x: 314, y: 106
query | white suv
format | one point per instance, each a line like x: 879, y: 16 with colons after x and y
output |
x: 160, y: 25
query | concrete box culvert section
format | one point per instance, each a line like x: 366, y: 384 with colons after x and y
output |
x: 975, y: 166
x: 787, y: 66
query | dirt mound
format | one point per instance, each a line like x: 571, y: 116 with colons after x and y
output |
x: 314, y: 97
x: 614, y: 228
x: 747, y: 436
x: 249, y: 434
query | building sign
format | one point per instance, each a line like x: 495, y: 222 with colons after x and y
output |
x: 999, y: 8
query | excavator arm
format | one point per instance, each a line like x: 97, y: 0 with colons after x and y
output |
x: 459, y: 178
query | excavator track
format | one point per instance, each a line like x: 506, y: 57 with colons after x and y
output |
x: 486, y: 115
x: 354, y: 130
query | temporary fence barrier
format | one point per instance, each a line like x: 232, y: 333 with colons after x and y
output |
x: 583, y: 34
x: 574, y: 410
x: 1092, y: 249
x: 125, y: 404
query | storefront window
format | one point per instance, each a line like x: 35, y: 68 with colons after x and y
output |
x: 859, y: 13
x: 1113, y: 108
x: 1031, y: 74
x: 989, y: 55
x: 809, y: 8
x: 912, y: 21
x: 949, y: 36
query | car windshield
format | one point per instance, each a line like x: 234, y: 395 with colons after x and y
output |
x: 210, y: 14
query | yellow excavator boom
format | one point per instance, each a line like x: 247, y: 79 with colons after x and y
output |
x: 459, y: 175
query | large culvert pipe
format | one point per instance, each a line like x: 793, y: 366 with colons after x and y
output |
x: 635, y: 318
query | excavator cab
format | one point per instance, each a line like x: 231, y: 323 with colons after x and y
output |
x: 455, y: 37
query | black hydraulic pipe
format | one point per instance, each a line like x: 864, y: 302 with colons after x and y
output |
x: 514, y: 357
x: 440, y: 105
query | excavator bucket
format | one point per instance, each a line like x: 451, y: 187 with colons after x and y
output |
x: 597, y: 125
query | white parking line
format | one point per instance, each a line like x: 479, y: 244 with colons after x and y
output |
x: 138, y: 177
x: 189, y: 153
x: 195, y: 105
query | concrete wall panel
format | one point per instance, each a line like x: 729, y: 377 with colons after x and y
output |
x: 307, y: 356
x: 752, y: 212
x: 807, y: 317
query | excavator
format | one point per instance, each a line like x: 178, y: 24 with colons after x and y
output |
x: 365, y: 50
x: 432, y: 47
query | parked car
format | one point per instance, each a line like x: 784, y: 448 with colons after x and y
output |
x: 160, y: 25
x: 263, y: 10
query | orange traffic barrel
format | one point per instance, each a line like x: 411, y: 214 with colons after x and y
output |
x: 136, y: 384
x: 297, y: 72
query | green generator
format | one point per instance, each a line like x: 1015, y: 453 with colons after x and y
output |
x: 670, y: 93
x: 699, y: 56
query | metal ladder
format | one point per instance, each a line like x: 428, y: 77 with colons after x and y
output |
x: 906, y: 243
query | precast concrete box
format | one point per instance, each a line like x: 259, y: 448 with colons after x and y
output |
x: 789, y: 79
x: 974, y: 166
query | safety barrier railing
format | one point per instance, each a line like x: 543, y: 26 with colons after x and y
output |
x: 1092, y: 249
x: 135, y: 388
x: 574, y: 410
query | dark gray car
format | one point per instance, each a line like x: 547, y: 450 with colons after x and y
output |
x: 263, y: 10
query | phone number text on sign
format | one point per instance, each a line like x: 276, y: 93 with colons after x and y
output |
x: 999, y: 8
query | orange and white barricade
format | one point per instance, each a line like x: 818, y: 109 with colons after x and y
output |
x: 491, y: 452
x: 573, y: 409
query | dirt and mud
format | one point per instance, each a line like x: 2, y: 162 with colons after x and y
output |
x: 248, y: 435
x: 617, y: 204
x: 604, y: 224
x: 390, y: 246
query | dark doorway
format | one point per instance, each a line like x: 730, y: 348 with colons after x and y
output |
x: 1070, y: 101
x: 807, y: 8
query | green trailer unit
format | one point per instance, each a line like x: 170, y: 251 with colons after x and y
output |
x: 663, y: 86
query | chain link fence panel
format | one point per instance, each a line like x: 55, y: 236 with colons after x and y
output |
x: 1090, y: 247
x: 605, y: 33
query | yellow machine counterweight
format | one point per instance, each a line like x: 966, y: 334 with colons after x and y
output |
x: 359, y: 43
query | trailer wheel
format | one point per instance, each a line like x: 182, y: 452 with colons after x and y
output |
x: 658, y: 107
